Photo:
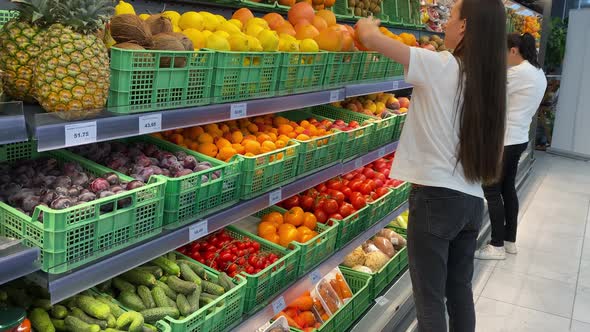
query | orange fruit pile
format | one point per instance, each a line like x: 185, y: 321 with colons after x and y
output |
x: 293, y: 225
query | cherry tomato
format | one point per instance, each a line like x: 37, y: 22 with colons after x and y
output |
x: 360, y: 176
x: 345, y: 210
x: 336, y: 216
x: 256, y: 246
x: 306, y: 202
x: 348, y: 176
x: 380, y: 176
x: 195, y: 246
x: 320, y: 215
x: 378, y: 183
x: 241, y: 261
x: 252, y: 260
x: 250, y: 269
x: 331, y: 206
x: 291, y: 202
x: 232, y: 268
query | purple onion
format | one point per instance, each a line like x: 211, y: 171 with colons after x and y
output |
x: 182, y: 172
x: 189, y: 162
x: 61, y: 203
x: 111, y: 177
x: 99, y: 184
x: 134, y: 184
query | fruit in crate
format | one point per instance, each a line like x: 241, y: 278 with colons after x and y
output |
x: 376, y: 252
x: 380, y: 105
x: 284, y: 228
x: 433, y: 43
x: 21, y: 39
x: 401, y: 221
x: 364, y: 8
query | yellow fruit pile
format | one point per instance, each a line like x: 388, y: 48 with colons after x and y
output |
x: 293, y: 225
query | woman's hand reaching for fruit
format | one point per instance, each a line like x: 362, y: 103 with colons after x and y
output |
x: 367, y: 30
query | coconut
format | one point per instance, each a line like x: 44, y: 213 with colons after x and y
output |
x: 159, y: 24
x: 130, y: 28
x: 166, y: 42
x: 186, y: 42
x: 129, y: 46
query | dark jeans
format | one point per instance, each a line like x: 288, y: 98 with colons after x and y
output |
x: 502, y: 198
x: 442, y: 233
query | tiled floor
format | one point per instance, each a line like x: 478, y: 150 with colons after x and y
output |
x: 546, y: 287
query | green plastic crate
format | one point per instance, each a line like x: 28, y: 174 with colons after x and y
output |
x: 267, y: 171
x: 188, y: 197
x: 316, y: 153
x: 263, y: 5
x: 18, y: 151
x: 394, y: 69
x: 351, y: 226
x: 7, y: 15
x: 381, y: 207
x: 301, y: 72
x: 374, y: 66
x: 401, y: 193
x: 245, y: 75
x: 314, y: 251
x: 262, y: 286
x: 415, y: 14
x: 399, y: 126
x: 139, y: 84
x: 162, y: 326
x: 77, y: 235
x: 342, y: 68
x: 403, y: 12
x: 342, y: 11
x: 343, y: 319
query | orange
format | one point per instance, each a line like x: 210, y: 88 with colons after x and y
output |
x: 276, y: 218
x: 205, y: 138
x: 286, y: 28
x: 243, y: 15
x: 305, y: 30
x: 208, y: 149
x: 309, y: 220
x: 301, y: 11
x: 274, y: 20
x: 294, y: 216
x: 319, y: 23
x: 177, y: 139
x: 265, y: 228
x: 327, y: 15
x: 330, y: 39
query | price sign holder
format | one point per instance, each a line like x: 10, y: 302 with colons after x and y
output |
x: 315, y: 276
x: 198, y: 230
x: 278, y: 305
x: 150, y: 123
x: 238, y: 111
x: 80, y: 133
x: 334, y: 96
x: 395, y: 85
x: 275, y: 196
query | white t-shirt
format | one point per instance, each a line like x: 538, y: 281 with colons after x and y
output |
x: 427, y: 152
x: 526, y: 87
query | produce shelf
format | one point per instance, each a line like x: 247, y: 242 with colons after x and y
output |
x: 62, y: 286
x: 53, y: 132
x: 13, y: 127
x: 306, y: 282
x: 17, y: 261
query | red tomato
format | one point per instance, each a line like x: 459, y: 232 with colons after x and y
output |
x: 337, y: 195
x: 331, y: 206
x: 319, y: 203
x: 320, y: 215
x: 371, y: 183
x: 365, y: 189
x: 291, y: 202
x: 348, y: 176
x: 321, y: 187
x: 336, y: 216
x: 345, y: 209
x: 313, y: 193
x: 378, y: 183
x: 381, y: 191
x: 250, y: 269
x: 256, y: 246
x: 306, y: 202
x: 358, y: 201
x: 355, y: 185
x: 334, y: 183
x: 380, y: 176
x: 369, y: 173
x: 360, y: 176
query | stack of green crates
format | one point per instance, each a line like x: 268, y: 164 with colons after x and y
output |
x: 381, y: 207
x: 374, y: 67
x: 6, y: 15
x: 302, y: 72
x: 403, y: 12
x: 342, y: 68
x: 352, y: 225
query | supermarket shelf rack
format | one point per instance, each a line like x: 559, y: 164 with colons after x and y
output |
x: 52, y: 132
x: 62, y: 286
x: 13, y: 127
x: 17, y: 261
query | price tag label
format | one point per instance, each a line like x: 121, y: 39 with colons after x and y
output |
x: 238, y: 111
x: 334, y: 96
x: 278, y: 305
x: 381, y: 301
x: 358, y: 163
x: 80, y: 133
x: 315, y: 276
x: 381, y: 152
x: 275, y: 196
x: 395, y: 85
x: 150, y: 123
x: 198, y: 230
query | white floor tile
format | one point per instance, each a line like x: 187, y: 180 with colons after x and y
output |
x: 584, y: 277
x: 544, y: 264
x: 582, y: 304
x: 495, y: 316
x: 482, y: 272
x: 532, y: 292
x: 559, y: 244
x: 537, y: 223
x: 580, y: 326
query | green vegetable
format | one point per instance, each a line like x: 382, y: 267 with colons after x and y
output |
x: 59, y: 324
x: 160, y: 297
x: 112, y: 330
x: 139, y: 277
x: 112, y: 321
x: 131, y: 301
x: 93, y: 307
x: 105, y: 286
x: 181, y: 286
x: 211, y: 297
x: 78, y: 313
x: 155, y: 270
x: 123, y: 285
x: 132, y: 318
x: 188, y: 274
x: 154, y: 314
x: 183, y: 306
x: 40, y: 320
x: 149, y: 328
x: 146, y: 296
x: 59, y: 311
x: 167, y: 265
x: 171, y: 256
x: 75, y: 324
x: 115, y: 309
x: 193, y: 299
x: 169, y: 292
x: 198, y: 269
x: 44, y: 304
x: 212, y: 288
x: 225, y: 281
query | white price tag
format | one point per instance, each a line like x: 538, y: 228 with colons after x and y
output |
x: 80, y: 133
x: 238, y: 111
x: 334, y: 96
x: 358, y: 163
x: 381, y: 301
x: 395, y: 85
x: 275, y: 196
x: 381, y: 152
x: 278, y: 305
x: 198, y: 230
x: 315, y: 276
x: 150, y: 123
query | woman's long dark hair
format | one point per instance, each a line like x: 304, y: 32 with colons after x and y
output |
x: 482, y: 59
x: 527, y: 46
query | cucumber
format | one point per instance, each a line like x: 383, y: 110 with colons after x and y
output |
x: 149, y: 328
x: 59, y: 311
x: 167, y: 265
x: 203, y: 301
x: 115, y: 309
x: 198, y: 269
x: 131, y: 301
x: 59, y: 324
x: 154, y: 314
x: 172, y: 303
x: 193, y: 299
x: 188, y: 274
x: 123, y: 285
x: 93, y: 307
x: 105, y: 286
x: 133, y: 319
x: 78, y: 313
x: 139, y: 277
x: 75, y: 324
x: 44, y: 304
x: 183, y: 306
x: 112, y: 321
x: 40, y: 320
x: 225, y: 281
x: 160, y: 297
x: 171, y: 256
x: 169, y: 292
x: 155, y: 270
x: 211, y: 288
x: 181, y: 286
x: 212, y: 297
x: 146, y: 296
x: 109, y: 329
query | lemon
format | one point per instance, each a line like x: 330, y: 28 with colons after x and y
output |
x: 228, y: 27
x: 254, y: 30
x: 220, y: 18
x: 197, y: 37
x: 237, y: 23
x: 172, y: 15
x: 144, y: 16
x: 124, y: 8
x: 239, y: 43
x: 191, y: 20
x: 309, y: 45
x: 217, y: 42
x: 254, y: 44
x: 222, y: 34
x: 206, y: 33
x: 269, y: 40
x: 211, y: 21
x: 176, y: 28
x: 257, y: 21
x: 288, y: 44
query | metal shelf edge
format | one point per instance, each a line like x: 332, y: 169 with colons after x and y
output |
x: 18, y: 261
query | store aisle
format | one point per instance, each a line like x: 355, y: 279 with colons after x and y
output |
x: 546, y: 287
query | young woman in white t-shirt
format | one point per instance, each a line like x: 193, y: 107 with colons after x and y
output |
x: 526, y: 87
x: 451, y: 143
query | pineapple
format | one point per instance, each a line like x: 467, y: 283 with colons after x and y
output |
x: 72, y: 70
x: 20, y: 44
